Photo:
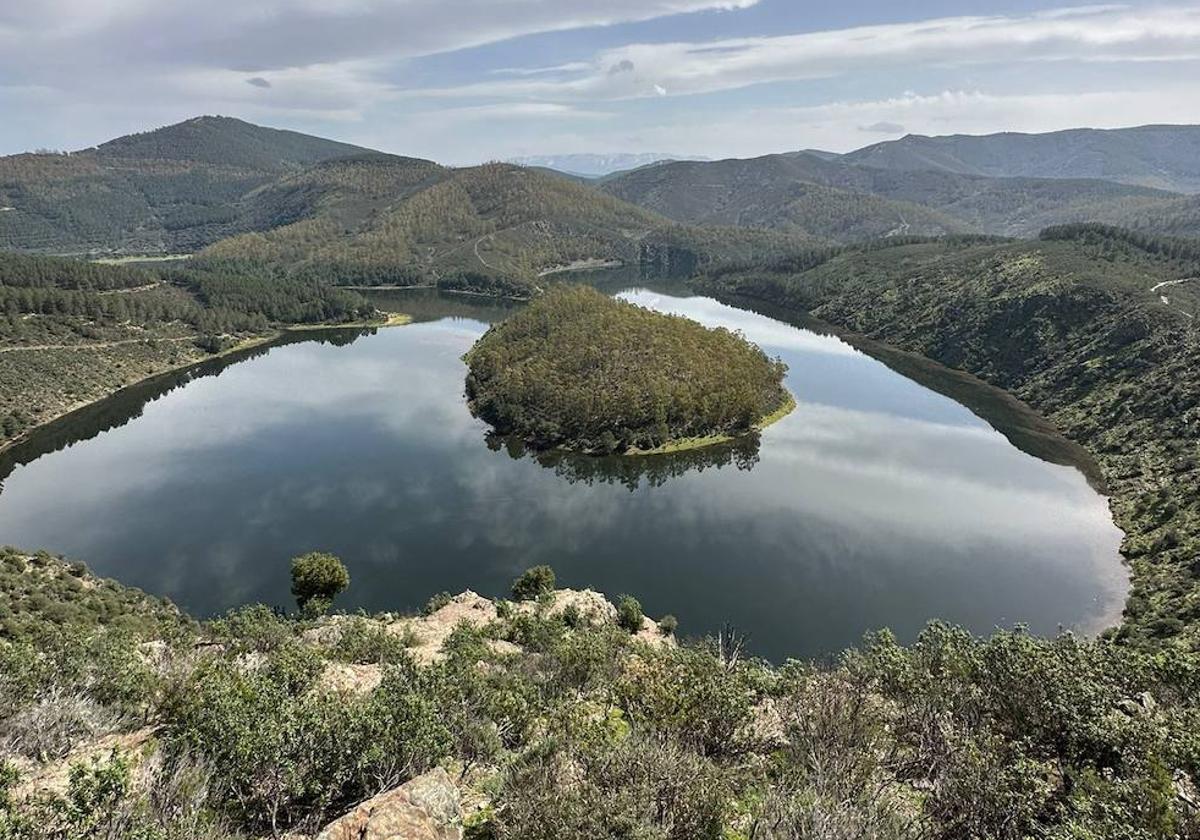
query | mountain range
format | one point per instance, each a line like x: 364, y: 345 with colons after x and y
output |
x: 597, y: 165
x: 232, y: 190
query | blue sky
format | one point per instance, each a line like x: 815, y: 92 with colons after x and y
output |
x: 462, y: 81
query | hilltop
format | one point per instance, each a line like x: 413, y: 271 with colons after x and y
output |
x: 225, y: 141
x: 170, y: 190
x: 1160, y: 156
x: 838, y: 199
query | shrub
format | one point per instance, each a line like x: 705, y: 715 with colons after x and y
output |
x: 317, y: 578
x: 436, y: 603
x: 256, y: 628
x: 364, y: 642
x: 535, y: 582
x: 634, y: 787
x: 629, y: 613
x: 668, y: 624
x: 48, y: 729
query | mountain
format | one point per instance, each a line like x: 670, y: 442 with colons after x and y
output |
x: 225, y: 141
x: 595, y: 165
x: 1160, y: 156
x: 387, y: 220
x: 790, y: 192
x: 829, y: 197
x: 169, y: 190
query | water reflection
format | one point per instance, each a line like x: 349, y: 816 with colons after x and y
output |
x: 632, y: 471
x: 877, y: 502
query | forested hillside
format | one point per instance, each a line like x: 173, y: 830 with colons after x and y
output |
x: 835, y: 199
x: 72, y: 332
x: 1161, y: 156
x: 171, y: 190
x: 1097, y: 328
x: 481, y: 228
x: 580, y: 370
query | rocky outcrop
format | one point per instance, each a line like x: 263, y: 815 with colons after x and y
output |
x: 430, y: 632
x: 425, y: 808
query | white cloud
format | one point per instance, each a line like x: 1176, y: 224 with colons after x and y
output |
x: 1094, y: 34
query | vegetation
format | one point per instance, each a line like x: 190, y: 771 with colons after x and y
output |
x: 1074, y: 326
x: 317, y: 578
x: 848, y: 200
x: 580, y: 370
x: 533, y: 583
x: 72, y: 332
x: 577, y: 729
x: 629, y: 613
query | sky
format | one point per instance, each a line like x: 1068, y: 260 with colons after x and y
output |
x: 464, y: 81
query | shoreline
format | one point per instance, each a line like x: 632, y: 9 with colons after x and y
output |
x: 688, y: 444
x: 393, y: 319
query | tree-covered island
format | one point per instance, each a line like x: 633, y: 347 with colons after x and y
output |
x: 580, y: 370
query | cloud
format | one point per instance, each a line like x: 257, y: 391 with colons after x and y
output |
x: 622, y: 66
x: 212, y: 52
x: 883, y: 127
x: 1088, y: 34
x: 258, y: 82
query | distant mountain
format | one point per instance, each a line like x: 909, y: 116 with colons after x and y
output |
x: 822, y: 154
x: 1160, y: 156
x: 341, y: 212
x: 788, y: 192
x: 828, y: 197
x: 595, y: 165
x: 171, y: 189
x: 226, y: 141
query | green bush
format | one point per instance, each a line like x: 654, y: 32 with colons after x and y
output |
x: 533, y: 583
x: 435, y: 603
x: 363, y: 641
x: 290, y: 754
x: 317, y: 578
x: 668, y: 624
x: 629, y: 613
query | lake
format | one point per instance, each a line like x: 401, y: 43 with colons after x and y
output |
x: 879, y: 502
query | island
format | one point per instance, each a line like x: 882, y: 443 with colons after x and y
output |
x: 582, y: 371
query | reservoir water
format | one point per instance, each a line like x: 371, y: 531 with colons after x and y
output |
x: 879, y: 502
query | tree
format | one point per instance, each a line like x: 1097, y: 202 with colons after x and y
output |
x: 533, y: 583
x: 629, y: 613
x: 317, y: 578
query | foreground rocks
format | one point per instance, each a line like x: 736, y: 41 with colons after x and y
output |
x: 425, y: 808
x: 426, y: 635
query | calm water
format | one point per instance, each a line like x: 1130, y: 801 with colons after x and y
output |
x: 878, y: 502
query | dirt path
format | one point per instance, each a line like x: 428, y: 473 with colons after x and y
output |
x: 131, y: 290
x: 98, y: 345
x: 479, y: 256
x: 1166, y: 284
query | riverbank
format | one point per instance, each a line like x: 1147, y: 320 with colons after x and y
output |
x: 693, y: 443
x: 149, y: 371
x: 1068, y: 332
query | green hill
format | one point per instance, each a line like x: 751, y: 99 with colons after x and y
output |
x: 404, y: 223
x: 171, y: 190
x: 1162, y: 156
x: 835, y: 199
x: 1095, y: 327
x: 226, y: 141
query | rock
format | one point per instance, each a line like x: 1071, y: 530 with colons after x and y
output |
x: 425, y: 808
x: 430, y: 632
x: 652, y: 634
x: 592, y: 606
x: 349, y: 678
